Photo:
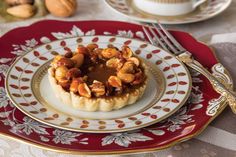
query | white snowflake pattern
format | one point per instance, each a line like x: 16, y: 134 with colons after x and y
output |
x: 195, y: 76
x: 156, y: 132
x: 44, y: 139
x: 5, y: 60
x: 140, y: 35
x: 64, y: 137
x: 124, y: 139
x: 4, y: 100
x: 29, y: 126
x: 8, y: 122
x: 179, y: 119
x: 3, y: 69
x: 75, y: 32
x: 31, y: 43
x: 127, y: 34
x: 196, y: 98
x: 21, y: 49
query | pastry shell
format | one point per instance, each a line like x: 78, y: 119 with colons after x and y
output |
x: 95, y: 104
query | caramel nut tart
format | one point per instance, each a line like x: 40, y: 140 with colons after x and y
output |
x: 97, y: 79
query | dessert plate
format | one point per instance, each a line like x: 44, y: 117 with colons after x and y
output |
x: 28, y: 87
x: 207, y: 10
x: 189, y: 121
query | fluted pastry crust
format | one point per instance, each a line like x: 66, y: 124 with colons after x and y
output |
x: 95, y: 104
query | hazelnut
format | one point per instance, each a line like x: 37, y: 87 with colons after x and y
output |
x: 128, y: 67
x: 78, y: 59
x: 114, y: 63
x: 98, y: 88
x: 134, y: 60
x: 84, y: 90
x: 125, y: 77
x: 61, y: 8
x: 65, y: 62
x: 61, y: 72
x: 110, y: 52
x: 64, y: 83
x: 91, y: 47
x: 75, y: 84
x: 126, y: 52
x: 55, y: 60
x: 82, y: 50
x: 114, y: 81
x: 73, y: 73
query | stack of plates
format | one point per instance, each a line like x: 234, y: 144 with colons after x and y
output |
x: 58, y: 127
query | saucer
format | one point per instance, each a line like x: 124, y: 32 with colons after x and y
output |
x: 205, y: 11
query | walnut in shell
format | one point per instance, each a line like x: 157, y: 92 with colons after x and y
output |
x: 61, y: 8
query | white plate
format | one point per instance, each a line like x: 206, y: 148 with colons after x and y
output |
x: 168, y: 88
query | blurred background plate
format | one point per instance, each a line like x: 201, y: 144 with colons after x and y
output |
x: 205, y: 11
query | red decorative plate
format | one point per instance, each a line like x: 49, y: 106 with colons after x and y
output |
x: 203, y: 106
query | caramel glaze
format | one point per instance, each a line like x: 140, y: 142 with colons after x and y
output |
x: 100, y: 72
x: 97, y: 70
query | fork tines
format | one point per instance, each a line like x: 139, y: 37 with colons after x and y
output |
x: 164, y: 39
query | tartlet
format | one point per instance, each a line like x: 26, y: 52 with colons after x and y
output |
x: 96, y: 79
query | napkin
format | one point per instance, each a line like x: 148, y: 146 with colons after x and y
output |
x: 222, y: 131
x: 225, y: 49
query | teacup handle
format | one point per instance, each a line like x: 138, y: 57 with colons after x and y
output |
x: 196, y: 3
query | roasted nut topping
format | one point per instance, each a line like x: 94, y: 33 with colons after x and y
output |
x: 55, y: 60
x: 114, y: 63
x: 128, y: 67
x: 119, y: 90
x: 110, y: 52
x: 84, y: 90
x: 61, y: 72
x: 82, y: 50
x: 85, y: 78
x: 64, y: 83
x: 68, y: 55
x: 109, y: 89
x: 65, y: 62
x: 126, y: 52
x: 120, y: 71
x: 139, y: 77
x: 114, y: 81
x: 78, y: 59
x: 125, y: 77
x: 94, y: 58
x: 73, y: 73
x: 134, y: 60
x: 98, y: 88
x: 75, y: 83
x: 91, y: 47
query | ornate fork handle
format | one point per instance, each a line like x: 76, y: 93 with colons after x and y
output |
x: 229, y: 95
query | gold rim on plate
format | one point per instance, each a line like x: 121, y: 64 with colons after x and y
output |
x: 107, y: 130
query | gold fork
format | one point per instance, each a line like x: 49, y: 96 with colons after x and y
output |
x: 165, y: 38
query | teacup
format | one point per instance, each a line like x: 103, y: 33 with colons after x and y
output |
x: 168, y: 7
